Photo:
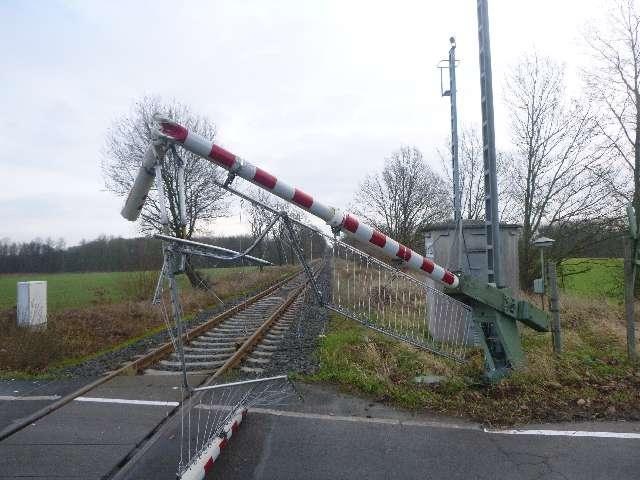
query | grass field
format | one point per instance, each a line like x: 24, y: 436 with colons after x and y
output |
x: 593, y: 277
x: 584, y: 276
x: 97, y: 312
x: 77, y: 290
x: 592, y: 379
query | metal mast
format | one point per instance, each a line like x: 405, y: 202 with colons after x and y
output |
x: 494, y: 271
x: 455, y: 168
x: 452, y: 93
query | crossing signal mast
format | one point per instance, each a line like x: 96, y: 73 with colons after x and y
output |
x: 452, y: 94
x: 492, y: 220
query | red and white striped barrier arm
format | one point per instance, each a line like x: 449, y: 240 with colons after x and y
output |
x: 334, y: 217
x: 203, y: 463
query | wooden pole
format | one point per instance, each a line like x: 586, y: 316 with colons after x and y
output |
x: 629, y: 283
x: 554, y: 308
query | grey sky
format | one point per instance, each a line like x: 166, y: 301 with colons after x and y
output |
x: 318, y: 92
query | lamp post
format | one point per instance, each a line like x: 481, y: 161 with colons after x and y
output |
x: 539, y: 283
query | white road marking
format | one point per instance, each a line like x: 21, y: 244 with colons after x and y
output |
x: 127, y: 401
x: 11, y: 398
x: 567, y: 433
x: 344, y: 418
x: 434, y: 424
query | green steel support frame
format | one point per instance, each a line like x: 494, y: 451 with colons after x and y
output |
x: 495, y: 313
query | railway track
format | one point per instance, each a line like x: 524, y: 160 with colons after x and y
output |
x: 244, y: 336
x: 210, y: 350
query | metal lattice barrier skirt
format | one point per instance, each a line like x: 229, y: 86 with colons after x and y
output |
x: 209, y: 421
x: 397, y: 304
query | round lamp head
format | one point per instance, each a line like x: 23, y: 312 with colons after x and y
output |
x: 543, y: 242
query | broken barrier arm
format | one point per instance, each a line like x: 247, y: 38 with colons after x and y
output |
x: 346, y: 222
x: 495, y: 310
x: 498, y: 299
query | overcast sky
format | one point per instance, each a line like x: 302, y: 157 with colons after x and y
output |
x: 317, y: 92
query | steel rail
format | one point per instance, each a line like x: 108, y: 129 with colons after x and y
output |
x: 139, y: 364
x: 119, y: 472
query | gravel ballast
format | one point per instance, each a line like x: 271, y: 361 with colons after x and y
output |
x: 296, y: 352
x: 112, y: 360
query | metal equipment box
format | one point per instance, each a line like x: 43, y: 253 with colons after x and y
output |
x: 32, y: 304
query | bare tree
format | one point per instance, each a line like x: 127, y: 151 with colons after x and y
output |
x: 556, y: 177
x: 613, y: 85
x: 126, y: 143
x: 472, y: 177
x: 258, y: 218
x: 402, y: 199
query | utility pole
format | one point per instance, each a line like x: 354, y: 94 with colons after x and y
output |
x: 455, y: 165
x: 457, y: 210
x: 492, y: 220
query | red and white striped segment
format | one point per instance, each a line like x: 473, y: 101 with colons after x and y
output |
x: 204, y: 462
x: 333, y: 216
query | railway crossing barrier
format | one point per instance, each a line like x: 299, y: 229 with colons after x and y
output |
x: 495, y: 311
x: 467, y: 313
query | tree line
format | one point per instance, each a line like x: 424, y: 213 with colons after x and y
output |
x: 111, y: 254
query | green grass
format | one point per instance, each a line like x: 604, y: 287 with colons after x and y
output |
x: 77, y: 290
x: 593, y: 277
x: 591, y: 380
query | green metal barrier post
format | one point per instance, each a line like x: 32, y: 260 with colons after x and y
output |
x: 496, y: 312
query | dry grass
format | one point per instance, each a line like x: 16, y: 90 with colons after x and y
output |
x: 591, y: 380
x: 74, y: 334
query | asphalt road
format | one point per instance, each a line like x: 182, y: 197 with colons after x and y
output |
x: 335, y: 436
x: 328, y: 436
x: 45, y: 391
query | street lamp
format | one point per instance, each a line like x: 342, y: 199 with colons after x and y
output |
x: 538, y: 284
